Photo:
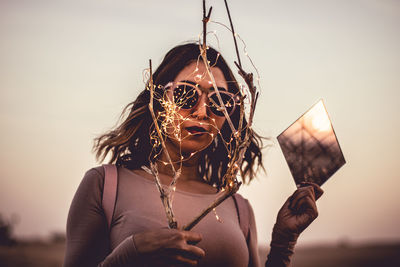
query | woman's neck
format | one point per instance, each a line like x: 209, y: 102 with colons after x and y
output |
x: 189, y: 168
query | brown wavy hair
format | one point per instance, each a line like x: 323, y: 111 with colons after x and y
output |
x: 129, y: 142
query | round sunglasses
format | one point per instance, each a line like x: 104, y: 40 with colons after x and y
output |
x: 186, y: 95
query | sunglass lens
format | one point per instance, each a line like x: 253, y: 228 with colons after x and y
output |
x: 185, y: 96
x: 227, y: 100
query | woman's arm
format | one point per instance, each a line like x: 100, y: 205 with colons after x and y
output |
x: 252, y: 244
x: 88, y: 242
x: 298, y: 212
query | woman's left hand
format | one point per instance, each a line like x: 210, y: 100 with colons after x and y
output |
x: 300, y: 210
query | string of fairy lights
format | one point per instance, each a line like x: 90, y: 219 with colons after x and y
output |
x: 167, y: 122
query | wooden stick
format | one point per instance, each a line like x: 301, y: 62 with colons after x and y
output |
x: 165, y: 196
x: 212, y: 206
x: 206, y: 19
x: 233, y: 32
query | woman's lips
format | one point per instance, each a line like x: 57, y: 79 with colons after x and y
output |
x: 196, y: 130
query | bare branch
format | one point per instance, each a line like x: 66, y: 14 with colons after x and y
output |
x: 233, y: 32
x: 241, y: 139
x: 165, y: 196
x: 231, y: 183
x: 206, y: 19
x: 232, y: 190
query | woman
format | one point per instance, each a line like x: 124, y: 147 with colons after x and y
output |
x: 195, y: 141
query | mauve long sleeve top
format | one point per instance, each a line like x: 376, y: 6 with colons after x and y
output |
x: 138, y: 208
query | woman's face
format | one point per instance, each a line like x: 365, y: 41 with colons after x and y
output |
x: 195, y: 125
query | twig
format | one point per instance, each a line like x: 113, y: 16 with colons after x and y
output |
x: 230, y: 182
x: 206, y: 19
x: 232, y: 186
x: 165, y: 196
x: 214, y: 84
x: 213, y: 205
x: 233, y: 32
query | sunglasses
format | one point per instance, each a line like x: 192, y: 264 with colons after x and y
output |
x: 186, y: 95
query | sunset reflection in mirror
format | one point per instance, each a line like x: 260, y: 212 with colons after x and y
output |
x: 311, y: 148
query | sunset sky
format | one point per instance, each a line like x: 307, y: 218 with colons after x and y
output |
x: 67, y: 69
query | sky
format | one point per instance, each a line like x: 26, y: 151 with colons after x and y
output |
x: 67, y: 69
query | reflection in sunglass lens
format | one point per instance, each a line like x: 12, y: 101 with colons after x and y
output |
x: 227, y: 100
x: 185, y: 96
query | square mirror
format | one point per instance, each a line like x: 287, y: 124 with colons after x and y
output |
x: 311, y: 148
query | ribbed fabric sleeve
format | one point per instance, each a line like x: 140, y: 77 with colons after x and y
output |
x: 124, y: 254
x: 88, y: 241
x: 282, y: 248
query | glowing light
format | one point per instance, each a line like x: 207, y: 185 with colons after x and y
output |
x: 176, y: 101
x: 319, y: 118
x: 216, y: 216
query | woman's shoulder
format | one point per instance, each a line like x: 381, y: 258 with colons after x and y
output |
x: 241, y: 201
x: 92, y: 181
x: 94, y: 175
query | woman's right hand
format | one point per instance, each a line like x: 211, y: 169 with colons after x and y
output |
x: 168, y: 247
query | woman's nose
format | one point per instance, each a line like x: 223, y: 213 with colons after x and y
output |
x: 201, y: 109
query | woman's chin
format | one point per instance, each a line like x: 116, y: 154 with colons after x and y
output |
x: 192, y: 148
x: 190, y: 145
x: 194, y: 144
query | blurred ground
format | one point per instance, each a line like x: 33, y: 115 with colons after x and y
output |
x: 33, y: 254
x: 345, y: 255
x: 383, y: 255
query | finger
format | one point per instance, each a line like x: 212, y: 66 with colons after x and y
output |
x: 194, y: 252
x: 192, y: 237
x: 186, y: 254
x: 183, y: 261
x: 310, y: 213
x: 300, y: 193
x: 188, y: 251
x: 173, y: 260
x: 304, y: 204
x: 317, y: 189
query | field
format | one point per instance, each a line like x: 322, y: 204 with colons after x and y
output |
x: 383, y: 255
